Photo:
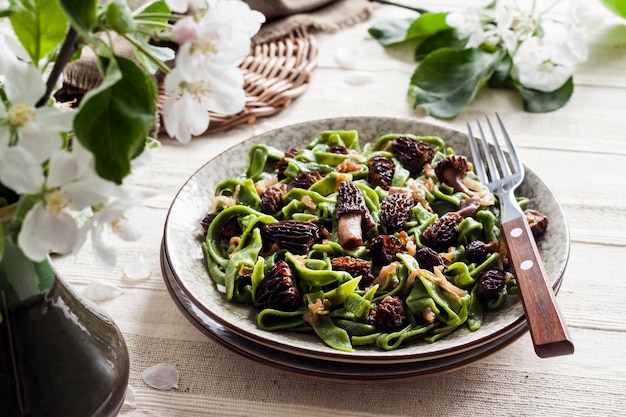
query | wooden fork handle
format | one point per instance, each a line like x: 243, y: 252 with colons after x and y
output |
x: 547, y: 328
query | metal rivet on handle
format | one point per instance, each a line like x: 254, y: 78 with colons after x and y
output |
x: 527, y: 264
x: 517, y: 232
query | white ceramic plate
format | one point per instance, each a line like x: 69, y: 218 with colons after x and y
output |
x: 183, y: 253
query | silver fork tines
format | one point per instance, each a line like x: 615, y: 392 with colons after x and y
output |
x: 500, y: 174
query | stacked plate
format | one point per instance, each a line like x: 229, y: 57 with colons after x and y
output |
x: 232, y: 325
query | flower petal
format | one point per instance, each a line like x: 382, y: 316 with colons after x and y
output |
x: 105, y: 255
x: 99, y: 291
x: 162, y: 376
x: 23, y: 84
x: 138, y: 269
x: 20, y: 171
x: 129, y: 397
x: 44, y: 231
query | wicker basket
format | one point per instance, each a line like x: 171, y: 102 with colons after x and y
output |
x: 275, y: 73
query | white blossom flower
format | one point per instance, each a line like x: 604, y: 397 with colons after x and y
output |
x: 542, y: 66
x: 124, y: 217
x: 70, y: 186
x: 216, y: 88
x: 580, y: 22
x: 468, y: 25
x: 220, y: 37
x: 501, y: 32
x: 37, y: 129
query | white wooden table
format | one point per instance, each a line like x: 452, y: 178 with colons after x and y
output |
x: 579, y: 151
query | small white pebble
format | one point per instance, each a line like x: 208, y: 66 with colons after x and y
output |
x: 129, y: 398
x: 358, y: 79
x: 138, y: 269
x: 162, y: 376
x: 99, y: 291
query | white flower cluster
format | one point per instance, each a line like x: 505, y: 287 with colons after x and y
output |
x: 63, y: 200
x: 544, y: 48
x: 206, y: 74
x: 68, y: 186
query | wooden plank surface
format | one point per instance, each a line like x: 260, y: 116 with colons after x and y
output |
x: 579, y: 151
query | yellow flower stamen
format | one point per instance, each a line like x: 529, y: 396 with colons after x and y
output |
x: 116, y: 224
x: 20, y: 114
x: 56, y: 201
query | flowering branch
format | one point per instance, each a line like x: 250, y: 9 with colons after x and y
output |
x: 63, y: 167
x: 68, y: 48
x: 507, y: 45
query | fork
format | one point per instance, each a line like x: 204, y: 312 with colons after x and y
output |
x: 547, y: 328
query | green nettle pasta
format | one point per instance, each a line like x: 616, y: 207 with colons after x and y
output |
x: 379, y: 245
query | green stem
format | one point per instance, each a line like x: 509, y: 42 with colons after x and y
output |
x: 7, y: 212
x: 146, y: 52
x: 152, y: 23
x: 169, y: 17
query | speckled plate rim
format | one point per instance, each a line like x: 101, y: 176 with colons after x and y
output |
x: 182, y: 245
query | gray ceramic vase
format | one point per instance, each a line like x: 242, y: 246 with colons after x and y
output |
x: 59, y: 356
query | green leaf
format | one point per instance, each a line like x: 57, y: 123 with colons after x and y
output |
x: 540, y: 102
x: 6, y: 12
x: 391, y: 31
x: 445, y: 39
x: 616, y: 6
x: 119, y: 17
x: 501, y: 77
x: 82, y: 13
x: 427, y: 24
x: 40, y: 26
x: 395, y: 31
x: 143, y: 48
x: 156, y: 7
x: 447, y: 80
x: 114, y: 119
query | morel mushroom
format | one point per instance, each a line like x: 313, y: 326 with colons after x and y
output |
x: 490, y: 283
x: 272, y: 198
x: 538, y: 222
x: 395, y: 211
x: 443, y: 233
x: 355, y: 267
x: 412, y: 154
x: 278, y: 289
x: 381, y: 172
x: 476, y: 251
x: 292, y: 235
x: 451, y: 171
x: 282, y: 164
x: 230, y: 229
x: 384, y: 248
x: 306, y: 179
x: 428, y: 259
x: 353, y: 216
x: 469, y: 207
x: 389, y: 315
